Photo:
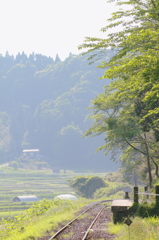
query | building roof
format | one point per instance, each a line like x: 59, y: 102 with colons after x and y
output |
x: 30, y: 198
x: 66, y: 197
x: 122, y: 203
x: 31, y: 150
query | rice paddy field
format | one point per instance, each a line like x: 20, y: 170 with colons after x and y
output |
x: 42, y: 183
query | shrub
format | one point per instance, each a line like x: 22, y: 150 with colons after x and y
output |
x: 145, y: 210
x: 86, y: 186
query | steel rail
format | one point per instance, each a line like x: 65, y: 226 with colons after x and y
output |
x: 93, y: 222
x: 69, y: 223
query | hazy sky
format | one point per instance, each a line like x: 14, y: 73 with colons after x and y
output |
x: 50, y: 26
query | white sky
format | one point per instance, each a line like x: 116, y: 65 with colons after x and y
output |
x: 50, y: 26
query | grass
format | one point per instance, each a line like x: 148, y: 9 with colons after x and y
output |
x: 7, y: 214
x: 140, y: 229
x: 65, y: 236
x: 38, y: 223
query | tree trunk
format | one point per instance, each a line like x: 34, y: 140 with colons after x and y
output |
x: 156, y: 167
x: 148, y: 161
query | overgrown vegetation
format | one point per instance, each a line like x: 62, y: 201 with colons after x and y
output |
x: 97, y: 187
x: 148, y: 208
x: 144, y: 217
x: 85, y: 186
x: 45, y: 215
x: 140, y: 229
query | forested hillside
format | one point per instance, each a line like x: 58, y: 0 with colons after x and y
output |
x: 43, y: 106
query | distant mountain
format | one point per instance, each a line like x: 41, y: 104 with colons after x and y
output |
x: 43, y: 105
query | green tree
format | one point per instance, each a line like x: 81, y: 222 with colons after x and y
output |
x: 121, y: 131
x: 128, y: 109
x: 85, y: 186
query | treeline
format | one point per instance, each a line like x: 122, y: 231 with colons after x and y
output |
x: 43, y: 105
x: 39, y: 60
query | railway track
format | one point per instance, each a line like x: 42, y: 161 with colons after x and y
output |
x: 90, y: 224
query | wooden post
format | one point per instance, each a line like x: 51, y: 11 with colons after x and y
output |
x: 127, y: 195
x: 136, y: 197
x: 146, y: 189
x: 157, y: 197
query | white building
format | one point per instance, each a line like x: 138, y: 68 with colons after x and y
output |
x: 31, y: 153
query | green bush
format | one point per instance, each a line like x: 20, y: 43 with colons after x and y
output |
x: 145, y: 210
x: 86, y: 186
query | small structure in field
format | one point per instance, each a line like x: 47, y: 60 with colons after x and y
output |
x: 30, y: 198
x: 66, y: 197
x: 121, y: 205
x: 31, y: 153
x: 119, y: 208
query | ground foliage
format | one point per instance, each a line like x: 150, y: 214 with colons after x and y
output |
x: 127, y: 111
x: 21, y: 227
x: 140, y: 229
x: 148, y: 209
x: 18, y: 223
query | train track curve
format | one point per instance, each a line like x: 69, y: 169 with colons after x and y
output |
x: 90, y: 224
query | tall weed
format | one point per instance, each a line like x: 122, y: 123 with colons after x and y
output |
x: 140, y: 229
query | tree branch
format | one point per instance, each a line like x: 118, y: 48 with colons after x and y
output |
x: 137, y: 149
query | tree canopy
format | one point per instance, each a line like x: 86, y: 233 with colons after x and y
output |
x: 85, y: 186
x: 128, y: 110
